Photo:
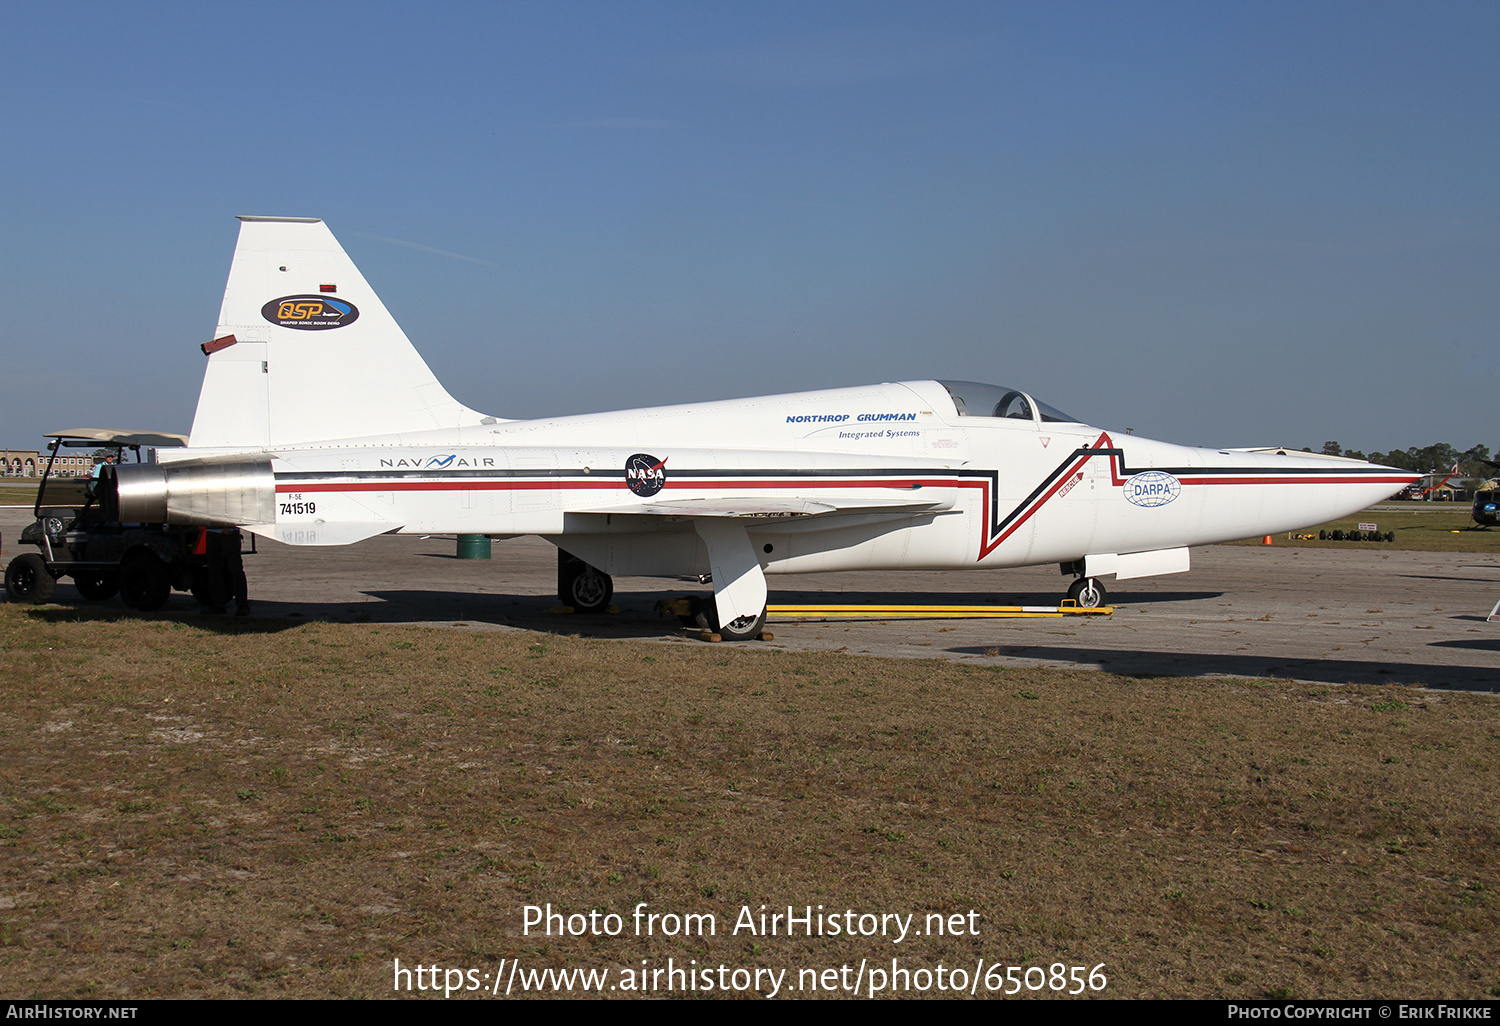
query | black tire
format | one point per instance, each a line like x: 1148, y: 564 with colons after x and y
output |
x: 145, y: 584
x: 1337, y: 536
x: 97, y: 585
x: 27, y: 579
x: 1322, y: 535
x: 586, y: 588
x: 1088, y: 593
x: 746, y: 628
x: 198, y: 586
x: 1390, y: 536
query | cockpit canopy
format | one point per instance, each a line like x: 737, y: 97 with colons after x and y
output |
x: 974, y: 399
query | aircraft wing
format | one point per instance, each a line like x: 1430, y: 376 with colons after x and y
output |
x: 768, y: 506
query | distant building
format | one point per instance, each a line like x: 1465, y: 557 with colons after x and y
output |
x: 30, y: 463
x: 21, y: 462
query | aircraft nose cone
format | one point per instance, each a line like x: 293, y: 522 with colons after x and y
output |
x: 1250, y: 493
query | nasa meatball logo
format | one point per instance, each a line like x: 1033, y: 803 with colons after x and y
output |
x: 1153, y: 488
x: 644, y: 475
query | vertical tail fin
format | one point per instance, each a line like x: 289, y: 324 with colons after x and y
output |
x: 315, y: 354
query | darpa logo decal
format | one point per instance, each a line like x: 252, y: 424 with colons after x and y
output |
x: 644, y: 475
x: 309, y: 313
x: 1153, y: 488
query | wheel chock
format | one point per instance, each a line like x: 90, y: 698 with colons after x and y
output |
x: 674, y: 607
x: 710, y: 636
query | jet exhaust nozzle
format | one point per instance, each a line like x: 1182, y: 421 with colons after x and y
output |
x: 204, y: 494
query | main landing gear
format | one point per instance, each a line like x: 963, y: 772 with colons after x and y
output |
x: 737, y: 611
x: 704, y: 614
x: 586, y: 588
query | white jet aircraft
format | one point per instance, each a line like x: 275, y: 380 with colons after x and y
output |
x: 319, y: 424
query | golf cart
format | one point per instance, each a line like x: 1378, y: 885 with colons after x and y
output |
x: 78, y: 534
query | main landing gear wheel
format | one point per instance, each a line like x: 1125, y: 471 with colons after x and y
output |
x: 27, y: 579
x: 586, y: 588
x: 145, y: 584
x: 746, y: 628
x: 1087, y: 592
x: 97, y: 585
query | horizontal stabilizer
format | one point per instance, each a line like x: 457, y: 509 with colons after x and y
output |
x: 322, y: 534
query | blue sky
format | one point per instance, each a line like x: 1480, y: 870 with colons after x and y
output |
x: 1215, y: 223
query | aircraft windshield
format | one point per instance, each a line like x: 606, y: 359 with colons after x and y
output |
x: 978, y: 400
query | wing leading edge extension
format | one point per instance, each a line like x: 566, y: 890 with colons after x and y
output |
x: 771, y: 507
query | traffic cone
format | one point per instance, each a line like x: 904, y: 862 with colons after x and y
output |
x: 1267, y: 541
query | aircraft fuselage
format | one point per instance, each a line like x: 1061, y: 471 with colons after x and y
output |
x: 906, y: 483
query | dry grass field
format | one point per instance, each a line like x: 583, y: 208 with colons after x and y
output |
x: 274, y: 808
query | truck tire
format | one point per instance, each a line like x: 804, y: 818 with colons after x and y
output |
x: 27, y: 579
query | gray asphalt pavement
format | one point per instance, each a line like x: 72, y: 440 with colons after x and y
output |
x: 1328, y: 615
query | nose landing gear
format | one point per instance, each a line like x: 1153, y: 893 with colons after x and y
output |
x: 1087, y: 592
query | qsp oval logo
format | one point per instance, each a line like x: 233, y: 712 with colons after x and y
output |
x: 1153, y: 488
x: 310, y: 313
x: 645, y: 475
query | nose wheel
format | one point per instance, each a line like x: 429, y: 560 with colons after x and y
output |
x: 1087, y: 592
